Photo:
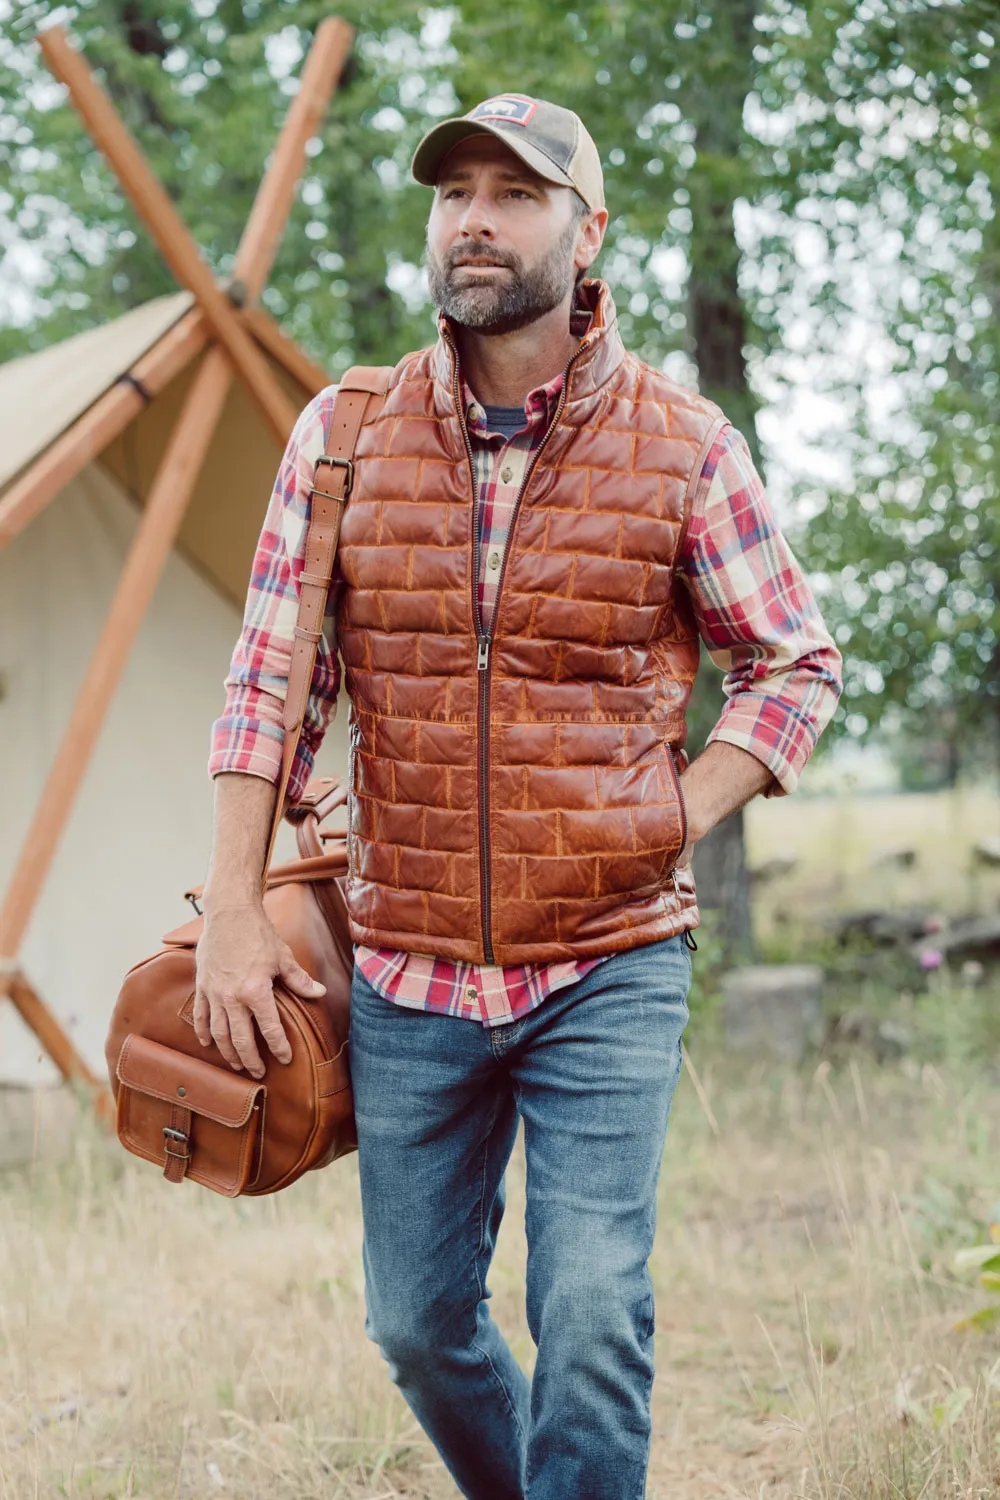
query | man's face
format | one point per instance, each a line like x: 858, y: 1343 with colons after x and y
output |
x: 503, y: 244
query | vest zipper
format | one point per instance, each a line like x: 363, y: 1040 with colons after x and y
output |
x: 482, y: 665
x: 484, y: 638
x: 352, y: 752
x: 678, y: 793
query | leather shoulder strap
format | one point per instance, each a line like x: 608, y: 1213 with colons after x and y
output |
x: 359, y: 399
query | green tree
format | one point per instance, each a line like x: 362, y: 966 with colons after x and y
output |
x: 889, y: 182
x: 204, y: 87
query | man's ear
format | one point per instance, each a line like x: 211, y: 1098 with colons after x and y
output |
x: 591, y: 238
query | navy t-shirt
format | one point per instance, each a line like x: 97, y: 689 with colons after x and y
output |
x: 506, y: 419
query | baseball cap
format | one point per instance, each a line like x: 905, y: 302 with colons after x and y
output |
x: 552, y: 141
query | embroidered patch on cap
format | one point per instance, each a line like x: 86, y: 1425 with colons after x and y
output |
x: 514, y: 109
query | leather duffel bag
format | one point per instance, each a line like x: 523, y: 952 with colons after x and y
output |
x: 181, y: 1105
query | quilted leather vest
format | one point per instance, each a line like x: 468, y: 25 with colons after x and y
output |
x: 515, y: 797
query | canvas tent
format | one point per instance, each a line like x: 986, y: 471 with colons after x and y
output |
x: 138, y: 834
x: 136, y: 461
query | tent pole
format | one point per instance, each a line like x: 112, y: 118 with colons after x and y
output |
x: 276, y: 194
x: 151, y: 202
x: 147, y: 557
x: 36, y: 1014
x: 99, y: 424
x: 311, y: 376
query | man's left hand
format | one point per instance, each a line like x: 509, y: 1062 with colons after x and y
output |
x: 721, y: 780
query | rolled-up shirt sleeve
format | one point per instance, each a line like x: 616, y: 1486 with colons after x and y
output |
x: 757, y: 617
x: 248, y: 736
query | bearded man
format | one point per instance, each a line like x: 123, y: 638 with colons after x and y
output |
x: 542, y: 529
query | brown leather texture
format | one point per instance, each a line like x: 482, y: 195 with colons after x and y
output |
x: 531, y: 811
x: 301, y: 1114
x: 162, y: 1092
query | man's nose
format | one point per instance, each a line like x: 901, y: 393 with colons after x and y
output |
x: 477, y: 221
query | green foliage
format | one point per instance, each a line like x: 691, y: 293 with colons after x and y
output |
x: 985, y: 1260
x: 204, y: 88
x: 890, y: 180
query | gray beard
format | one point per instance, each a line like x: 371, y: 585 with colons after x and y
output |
x: 524, y: 297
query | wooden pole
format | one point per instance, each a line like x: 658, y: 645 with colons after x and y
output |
x: 311, y: 376
x: 147, y: 556
x: 36, y: 1014
x: 99, y: 424
x: 273, y: 203
x: 154, y: 207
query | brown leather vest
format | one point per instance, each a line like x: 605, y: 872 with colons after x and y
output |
x: 516, y: 799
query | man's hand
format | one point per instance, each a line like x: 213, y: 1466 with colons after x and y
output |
x: 239, y: 957
x: 722, y: 779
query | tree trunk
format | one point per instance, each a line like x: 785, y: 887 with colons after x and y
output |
x: 718, y: 333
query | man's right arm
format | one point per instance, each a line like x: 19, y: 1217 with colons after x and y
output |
x: 240, y: 955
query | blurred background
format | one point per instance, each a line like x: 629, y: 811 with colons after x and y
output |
x: 804, y: 226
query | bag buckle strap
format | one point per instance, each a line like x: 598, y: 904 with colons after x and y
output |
x: 339, y: 463
x: 176, y: 1162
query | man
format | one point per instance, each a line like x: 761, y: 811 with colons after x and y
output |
x: 540, y: 530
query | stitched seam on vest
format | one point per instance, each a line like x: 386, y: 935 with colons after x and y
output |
x: 695, y: 475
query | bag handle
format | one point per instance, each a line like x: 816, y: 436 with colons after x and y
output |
x: 360, y: 397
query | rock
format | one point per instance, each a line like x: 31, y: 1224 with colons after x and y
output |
x: 38, y: 1124
x: 987, y: 852
x: 975, y: 938
x: 773, y: 1008
x: 888, y: 1040
x: 887, y: 928
x: 897, y: 859
x: 774, y: 869
x: 892, y: 1041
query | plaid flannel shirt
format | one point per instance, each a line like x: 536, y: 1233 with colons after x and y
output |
x: 754, y: 609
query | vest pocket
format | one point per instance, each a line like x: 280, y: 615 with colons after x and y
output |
x: 681, y: 806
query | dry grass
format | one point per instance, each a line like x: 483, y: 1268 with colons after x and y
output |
x: 162, y: 1343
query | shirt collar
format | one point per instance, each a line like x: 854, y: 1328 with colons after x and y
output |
x: 541, y: 403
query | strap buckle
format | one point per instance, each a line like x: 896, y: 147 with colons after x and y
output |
x: 339, y: 463
x: 176, y: 1135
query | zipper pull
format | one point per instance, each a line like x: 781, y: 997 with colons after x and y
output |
x: 483, y: 658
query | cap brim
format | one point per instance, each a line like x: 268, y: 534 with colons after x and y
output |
x: 441, y: 139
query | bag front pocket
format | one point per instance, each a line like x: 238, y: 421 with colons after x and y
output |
x: 190, y: 1117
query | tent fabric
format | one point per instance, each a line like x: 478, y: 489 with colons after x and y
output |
x: 138, y: 835
x: 42, y: 394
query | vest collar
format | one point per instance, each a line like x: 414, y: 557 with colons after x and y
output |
x: 597, y: 359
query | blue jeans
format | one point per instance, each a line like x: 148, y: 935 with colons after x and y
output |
x: 591, y: 1073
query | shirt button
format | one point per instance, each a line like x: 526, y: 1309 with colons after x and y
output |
x: 493, y: 561
x: 475, y: 413
x: 507, y: 474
